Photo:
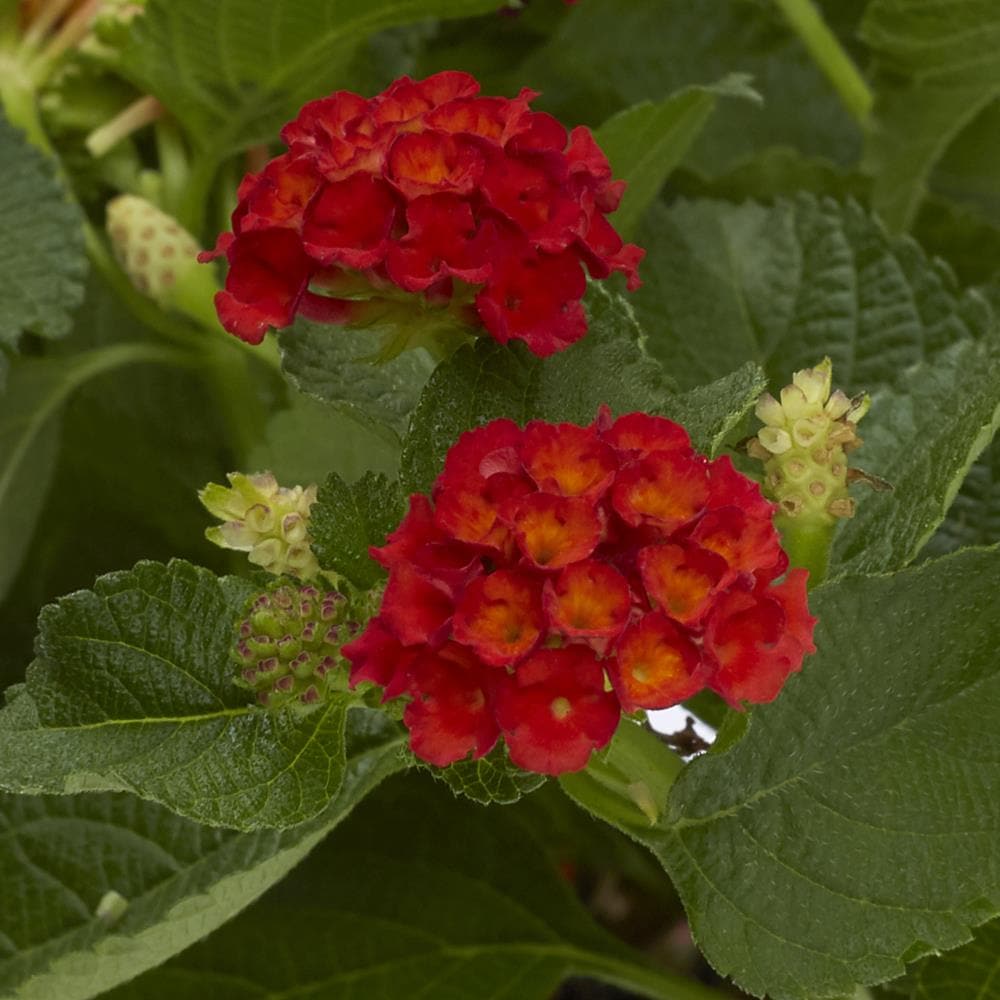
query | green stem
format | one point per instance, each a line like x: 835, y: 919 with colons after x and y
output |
x: 191, y: 210
x: 823, y: 45
x: 175, y: 167
x: 807, y: 543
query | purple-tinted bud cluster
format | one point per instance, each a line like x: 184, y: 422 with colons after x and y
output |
x: 287, y: 649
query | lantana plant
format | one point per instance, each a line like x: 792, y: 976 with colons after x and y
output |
x: 486, y: 512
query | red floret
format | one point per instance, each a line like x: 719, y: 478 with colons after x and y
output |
x: 562, y: 575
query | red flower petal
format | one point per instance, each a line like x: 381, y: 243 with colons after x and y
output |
x: 746, y: 637
x: 277, y: 196
x: 554, y: 711
x: 500, y: 616
x: 378, y: 656
x: 416, y: 606
x: 349, y: 222
x: 530, y: 192
x: 449, y: 716
x: 636, y: 435
x: 656, y: 665
x: 536, y: 299
x: 588, y: 598
x: 406, y: 99
x: 566, y: 459
x: 439, y: 243
x: 423, y: 163
x: 665, y: 489
x: 747, y: 544
x: 682, y: 579
x: 268, y: 273
x: 553, y: 532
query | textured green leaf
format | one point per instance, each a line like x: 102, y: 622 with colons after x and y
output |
x: 133, y: 691
x: 463, y: 903
x: 37, y: 389
x: 60, y: 855
x: 971, y: 972
x: 346, y: 520
x: 310, y: 439
x: 974, y: 516
x: 856, y: 825
x: 786, y: 284
x: 335, y: 365
x: 610, y: 55
x: 922, y: 436
x: 489, y: 779
x: 478, y: 384
x: 714, y: 411
x: 42, y: 260
x: 648, y: 140
x: 234, y: 71
x: 942, y: 68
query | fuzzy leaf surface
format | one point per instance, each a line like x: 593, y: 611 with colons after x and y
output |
x: 854, y: 826
x: 60, y: 855
x: 942, y: 68
x: 132, y: 690
x: 42, y: 260
x: 785, y: 284
x: 347, y: 519
x: 336, y: 366
x: 481, y: 383
x: 923, y: 436
x: 234, y: 71
x: 970, y: 971
x: 379, y: 915
x: 645, y: 142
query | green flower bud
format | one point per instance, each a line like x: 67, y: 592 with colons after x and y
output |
x: 158, y: 255
x: 804, y: 446
x: 287, y: 647
x: 267, y: 521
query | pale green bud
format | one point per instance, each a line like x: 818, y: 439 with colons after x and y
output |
x: 267, y: 521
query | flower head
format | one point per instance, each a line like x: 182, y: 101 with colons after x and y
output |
x: 479, y: 204
x: 559, y: 575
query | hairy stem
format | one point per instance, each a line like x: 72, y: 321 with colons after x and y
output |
x: 822, y: 44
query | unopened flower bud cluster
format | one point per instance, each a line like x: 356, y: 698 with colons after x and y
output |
x: 804, y: 445
x: 287, y: 649
x: 267, y: 521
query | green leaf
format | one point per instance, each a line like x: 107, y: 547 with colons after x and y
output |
x: 974, y: 516
x: 462, y: 904
x: 310, y: 439
x: 970, y: 971
x: 711, y: 413
x: 478, y: 384
x: 42, y: 260
x: 609, y: 55
x: 922, y: 436
x: 336, y: 365
x: 60, y: 855
x: 346, y: 520
x: 37, y: 389
x: 234, y: 71
x: 133, y: 690
x: 856, y: 825
x: 941, y: 63
x: 648, y: 140
x: 490, y: 779
x: 786, y: 284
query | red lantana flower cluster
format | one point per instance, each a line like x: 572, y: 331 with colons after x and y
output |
x: 560, y: 575
x: 431, y: 189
